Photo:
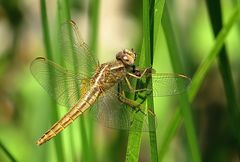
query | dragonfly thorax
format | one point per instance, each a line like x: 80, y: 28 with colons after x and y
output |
x: 108, y: 74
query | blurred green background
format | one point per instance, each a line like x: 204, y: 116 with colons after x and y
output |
x: 25, y: 107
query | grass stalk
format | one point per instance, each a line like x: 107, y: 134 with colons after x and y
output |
x: 156, y: 10
x: 93, y: 41
x: 49, y: 54
x: 7, y: 152
x: 213, y: 54
x: 175, y: 53
x: 200, y: 75
x: 146, y: 59
x: 94, y: 21
x: 85, y: 142
x: 159, y: 6
x: 214, y: 9
x: 63, y: 15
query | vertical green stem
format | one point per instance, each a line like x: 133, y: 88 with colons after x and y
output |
x: 157, y: 11
x: 146, y: 59
x: 94, y: 21
x: 45, y: 27
x: 200, y: 75
x: 64, y: 16
x: 174, y: 52
x: 47, y: 44
x: 7, y: 152
x: 134, y: 138
x: 150, y: 104
x: 214, y: 9
x: 93, y: 41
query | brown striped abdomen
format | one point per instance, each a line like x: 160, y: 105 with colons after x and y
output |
x: 82, y: 105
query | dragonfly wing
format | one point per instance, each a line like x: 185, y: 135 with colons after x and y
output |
x: 75, y: 51
x: 163, y: 84
x: 167, y: 84
x: 64, y: 86
x: 113, y: 113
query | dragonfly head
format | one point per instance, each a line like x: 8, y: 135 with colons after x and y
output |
x: 127, y: 57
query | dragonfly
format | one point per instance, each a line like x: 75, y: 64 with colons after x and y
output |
x: 80, y: 84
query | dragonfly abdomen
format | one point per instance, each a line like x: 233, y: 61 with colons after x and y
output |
x: 82, y: 105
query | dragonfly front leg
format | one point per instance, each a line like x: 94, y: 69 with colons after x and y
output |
x: 137, y: 74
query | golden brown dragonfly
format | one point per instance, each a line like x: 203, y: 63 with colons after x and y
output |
x: 82, y: 84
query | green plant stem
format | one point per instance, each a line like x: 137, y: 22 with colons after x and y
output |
x: 45, y: 27
x: 159, y: 6
x: 93, y: 41
x: 7, y: 152
x: 174, y: 52
x: 94, y: 21
x: 200, y: 75
x: 134, y: 138
x: 47, y: 44
x: 213, y: 54
x: 214, y: 9
x: 146, y: 59
x: 156, y: 10
x: 85, y: 142
x: 63, y: 15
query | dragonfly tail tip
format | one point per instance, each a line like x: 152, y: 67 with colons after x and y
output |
x: 39, y: 142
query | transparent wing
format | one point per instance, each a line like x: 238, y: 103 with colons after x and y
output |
x: 113, y: 113
x: 75, y: 51
x: 167, y: 84
x: 64, y: 86
x: 163, y: 84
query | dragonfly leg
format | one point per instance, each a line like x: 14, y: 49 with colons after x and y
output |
x: 139, y: 74
x: 133, y: 104
x: 135, y: 90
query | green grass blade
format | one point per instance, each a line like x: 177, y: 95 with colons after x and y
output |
x: 63, y: 15
x: 94, y: 21
x: 93, y: 42
x: 7, y: 152
x: 214, y: 52
x: 157, y: 10
x: 214, y: 9
x: 45, y: 27
x: 146, y: 59
x: 133, y: 148
x: 175, y: 53
x: 159, y: 6
x: 200, y: 75
x: 134, y: 138
x: 47, y: 44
